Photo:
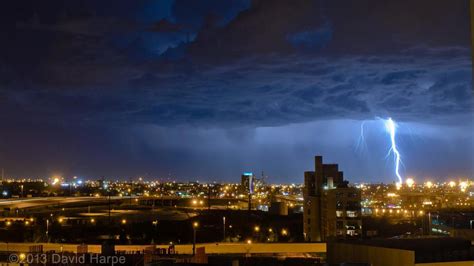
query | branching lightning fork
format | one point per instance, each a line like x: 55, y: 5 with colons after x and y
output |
x: 391, y: 127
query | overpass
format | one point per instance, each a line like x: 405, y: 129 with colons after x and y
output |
x: 24, y: 203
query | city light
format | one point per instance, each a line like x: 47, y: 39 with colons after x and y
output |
x: 452, y: 184
x: 410, y: 182
x: 463, y: 185
x: 55, y: 181
x: 429, y: 184
x: 392, y: 202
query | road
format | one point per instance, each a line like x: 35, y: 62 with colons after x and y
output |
x: 38, y: 202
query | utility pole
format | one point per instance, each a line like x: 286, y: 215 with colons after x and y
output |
x: 47, y: 230
x: 3, y: 176
x: 194, y: 241
x: 195, y: 226
x: 223, y: 230
x: 110, y: 221
x: 130, y: 190
x: 209, y: 197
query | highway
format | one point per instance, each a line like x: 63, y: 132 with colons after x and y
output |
x: 24, y: 203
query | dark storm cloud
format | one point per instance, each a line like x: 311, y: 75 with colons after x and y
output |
x: 177, y: 65
x: 269, y: 71
x: 271, y: 93
x: 195, y: 13
x: 340, y: 27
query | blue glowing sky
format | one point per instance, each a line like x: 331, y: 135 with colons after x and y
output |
x: 205, y: 90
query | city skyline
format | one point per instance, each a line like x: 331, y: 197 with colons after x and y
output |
x: 153, y: 89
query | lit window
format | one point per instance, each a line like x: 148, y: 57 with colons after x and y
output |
x: 352, y: 214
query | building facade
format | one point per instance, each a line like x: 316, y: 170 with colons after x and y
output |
x: 331, y: 208
x: 247, y: 182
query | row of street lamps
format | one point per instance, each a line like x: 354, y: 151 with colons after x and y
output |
x: 284, y: 232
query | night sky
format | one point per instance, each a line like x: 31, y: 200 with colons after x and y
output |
x: 204, y: 90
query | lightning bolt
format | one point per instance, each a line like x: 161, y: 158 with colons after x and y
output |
x: 391, y: 127
x: 361, y: 145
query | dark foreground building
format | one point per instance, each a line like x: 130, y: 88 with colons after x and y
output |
x: 406, y: 252
x: 331, y: 208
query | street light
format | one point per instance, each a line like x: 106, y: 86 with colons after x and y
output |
x: 284, y: 232
x: 195, y: 226
x: 256, y: 228
x: 155, y: 223
x: 223, y: 228
x: 47, y: 229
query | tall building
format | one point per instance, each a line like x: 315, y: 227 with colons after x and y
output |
x: 247, y: 183
x: 331, y: 208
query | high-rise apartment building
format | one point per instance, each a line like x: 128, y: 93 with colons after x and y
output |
x: 331, y: 208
